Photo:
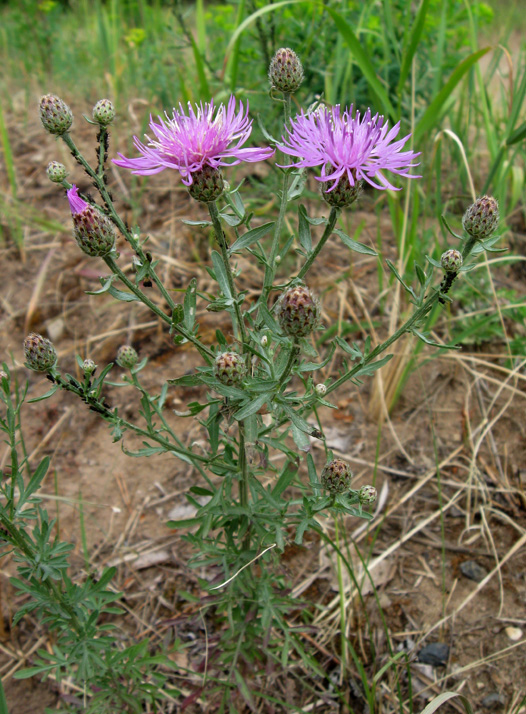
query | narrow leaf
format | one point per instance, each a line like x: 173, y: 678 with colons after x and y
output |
x: 434, y: 110
x: 354, y: 244
x: 251, y: 237
x: 362, y: 60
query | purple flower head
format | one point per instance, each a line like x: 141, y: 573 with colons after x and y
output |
x: 208, y: 136
x: 92, y: 229
x: 341, y: 144
x: 76, y: 203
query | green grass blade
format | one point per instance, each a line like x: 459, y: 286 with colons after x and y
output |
x: 363, y: 62
x: 234, y: 60
x: 246, y: 23
x: 200, y: 26
x: 433, y: 112
x: 443, y: 698
x: 200, y: 66
x: 3, y: 702
x: 414, y: 39
x: 8, y: 154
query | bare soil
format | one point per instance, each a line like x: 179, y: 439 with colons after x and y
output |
x: 463, y: 410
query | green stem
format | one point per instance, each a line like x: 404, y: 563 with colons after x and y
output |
x: 333, y: 217
x: 110, y: 416
x: 415, y: 317
x: 220, y: 237
x: 270, y: 269
x: 468, y: 247
x: 112, y: 265
x: 341, y: 589
x: 166, y: 426
x: 116, y: 219
x: 103, y: 133
x: 293, y: 354
x: 18, y: 539
x: 243, y: 484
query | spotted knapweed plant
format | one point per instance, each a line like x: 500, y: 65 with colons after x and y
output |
x: 260, y: 394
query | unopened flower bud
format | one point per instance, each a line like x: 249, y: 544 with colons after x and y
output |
x: 92, y: 230
x: 230, y: 368
x: 264, y: 341
x: 207, y: 184
x: 451, y: 261
x: 104, y: 112
x: 285, y: 72
x: 298, y: 311
x: 344, y: 194
x: 3, y: 375
x: 88, y: 367
x: 481, y: 218
x: 55, y: 115
x: 336, y: 476
x: 40, y: 354
x: 56, y: 172
x: 367, y: 494
x: 127, y: 357
x: 321, y: 390
x: 277, y: 259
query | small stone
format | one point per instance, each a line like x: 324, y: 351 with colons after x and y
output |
x: 514, y: 633
x: 495, y: 700
x: 436, y: 654
x: 472, y: 570
x: 55, y: 328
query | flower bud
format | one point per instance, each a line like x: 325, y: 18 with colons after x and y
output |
x: 481, y: 218
x: 264, y: 341
x: 451, y: 261
x: 321, y: 390
x: 127, y: 357
x: 56, y: 172
x: 344, y: 194
x: 92, y: 230
x: 336, y: 476
x: 3, y: 375
x: 298, y: 311
x: 207, y: 185
x: 55, y: 115
x: 230, y: 368
x: 104, y: 112
x: 88, y: 367
x: 40, y: 354
x: 277, y: 259
x: 285, y: 72
x: 367, y: 494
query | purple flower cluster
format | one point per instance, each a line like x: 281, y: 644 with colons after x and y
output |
x: 357, y: 147
x: 206, y: 136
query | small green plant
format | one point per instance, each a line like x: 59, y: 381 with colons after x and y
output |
x: 116, y: 677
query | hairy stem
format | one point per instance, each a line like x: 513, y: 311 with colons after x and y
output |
x: 333, y: 217
x: 98, y: 181
x: 112, y: 265
x: 270, y: 269
x: 220, y: 237
x: 110, y: 416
